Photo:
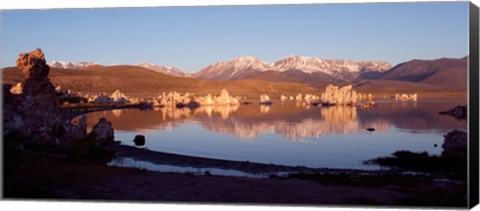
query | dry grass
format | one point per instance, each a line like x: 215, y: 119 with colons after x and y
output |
x: 141, y: 82
x: 137, y: 81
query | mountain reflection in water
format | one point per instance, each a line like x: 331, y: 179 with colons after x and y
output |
x: 288, y: 133
x: 288, y: 119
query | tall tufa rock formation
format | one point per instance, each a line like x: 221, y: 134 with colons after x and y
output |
x: 34, y: 112
x: 334, y: 95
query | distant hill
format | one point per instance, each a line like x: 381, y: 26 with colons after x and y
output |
x: 139, y: 81
x: 317, y: 79
x: 167, y: 70
x: 445, y: 72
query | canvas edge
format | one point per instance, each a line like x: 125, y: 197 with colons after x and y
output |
x: 473, y: 144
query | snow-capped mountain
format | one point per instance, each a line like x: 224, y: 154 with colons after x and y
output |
x: 312, y: 64
x: 71, y: 65
x: 168, y: 70
x: 294, y: 68
x: 244, y: 67
x: 233, y: 69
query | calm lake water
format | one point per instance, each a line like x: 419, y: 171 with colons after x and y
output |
x: 289, y: 133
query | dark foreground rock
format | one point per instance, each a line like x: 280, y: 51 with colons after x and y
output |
x: 34, y: 112
x: 103, y: 131
x: 459, y: 112
x: 455, y: 145
x: 139, y: 140
x: 451, y: 163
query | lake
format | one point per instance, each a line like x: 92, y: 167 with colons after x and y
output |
x: 289, y: 133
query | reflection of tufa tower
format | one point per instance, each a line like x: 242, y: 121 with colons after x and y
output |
x: 340, y: 118
x: 264, y: 109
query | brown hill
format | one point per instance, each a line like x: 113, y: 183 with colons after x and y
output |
x: 317, y: 79
x: 445, y: 72
x: 138, y: 81
x: 385, y: 89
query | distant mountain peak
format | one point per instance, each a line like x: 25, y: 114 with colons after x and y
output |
x: 167, y: 70
x: 296, y: 57
x: 246, y: 59
x: 70, y: 65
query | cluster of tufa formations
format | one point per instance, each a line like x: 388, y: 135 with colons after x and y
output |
x: 307, y: 98
x: 116, y: 97
x: 406, y: 97
x: 32, y: 110
x: 333, y: 95
x: 174, y: 99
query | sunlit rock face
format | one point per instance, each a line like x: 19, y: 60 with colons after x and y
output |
x: 33, y: 65
x: 173, y: 99
x: 17, y: 89
x: 224, y: 99
x: 406, y: 97
x: 265, y: 99
x: 335, y: 95
x: 116, y: 97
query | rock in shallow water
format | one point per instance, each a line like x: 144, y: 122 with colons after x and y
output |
x: 459, y: 112
x: 139, y: 140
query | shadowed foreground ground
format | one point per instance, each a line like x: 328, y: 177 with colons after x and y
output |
x: 33, y: 175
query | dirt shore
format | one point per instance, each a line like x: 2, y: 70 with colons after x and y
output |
x: 163, y: 158
x: 34, y: 176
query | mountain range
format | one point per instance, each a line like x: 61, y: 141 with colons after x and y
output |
x: 167, y: 70
x: 244, y: 66
x: 71, y: 65
x: 308, y: 70
x: 315, y: 71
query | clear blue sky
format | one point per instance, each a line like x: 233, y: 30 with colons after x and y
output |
x: 191, y: 38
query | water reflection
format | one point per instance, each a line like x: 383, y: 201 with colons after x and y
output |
x: 288, y: 133
x: 291, y: 120
x: 223, y: 110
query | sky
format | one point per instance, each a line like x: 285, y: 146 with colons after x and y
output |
x: 191, y: 38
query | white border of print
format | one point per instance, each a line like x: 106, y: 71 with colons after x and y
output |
x: 82, y: 206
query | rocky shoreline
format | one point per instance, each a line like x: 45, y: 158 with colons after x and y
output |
x: 164, y: 158
x: 41, y: 176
